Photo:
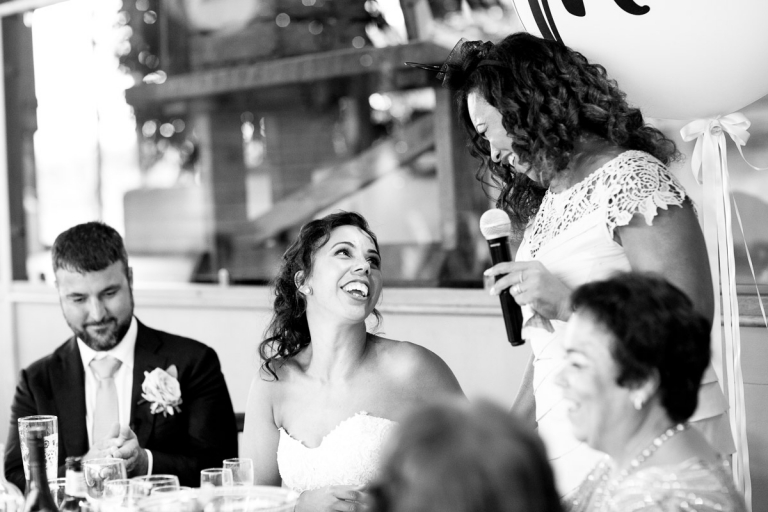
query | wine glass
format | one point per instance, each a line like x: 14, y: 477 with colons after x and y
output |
x: 144, y: 485
x: 168, y: 488
x: 242, y: 470
x: 216, y: 477
x: 98, y: 472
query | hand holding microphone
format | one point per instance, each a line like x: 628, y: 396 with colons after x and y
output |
x: 527, y: 282
x: 496, y: 229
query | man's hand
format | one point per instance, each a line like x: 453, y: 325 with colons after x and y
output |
x: 127, y: 447
x: 104, y: 447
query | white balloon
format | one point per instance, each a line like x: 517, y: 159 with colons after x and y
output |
x: 675, y: 59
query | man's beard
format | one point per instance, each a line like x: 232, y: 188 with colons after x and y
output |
x: 115, y: 332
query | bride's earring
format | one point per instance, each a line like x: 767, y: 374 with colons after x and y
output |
x: 305, y: 289
x: 638, y: 402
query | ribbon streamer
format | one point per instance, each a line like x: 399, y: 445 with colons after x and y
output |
x: 710, y: 167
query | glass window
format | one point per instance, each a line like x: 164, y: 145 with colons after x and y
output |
x: 206, y: 143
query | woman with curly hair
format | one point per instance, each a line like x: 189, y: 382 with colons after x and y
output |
x: 329, y: 392
x: 585, y: 178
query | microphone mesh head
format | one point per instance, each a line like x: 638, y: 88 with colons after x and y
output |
x: 495, y: 223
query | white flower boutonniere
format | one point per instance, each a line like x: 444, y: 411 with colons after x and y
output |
x: 161, y: 389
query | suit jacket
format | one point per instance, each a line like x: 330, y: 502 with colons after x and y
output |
x: 200, y: 436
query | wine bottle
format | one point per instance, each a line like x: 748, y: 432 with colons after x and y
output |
x: 11, y: 499
x: 74, y: 489
x: 39, y: 498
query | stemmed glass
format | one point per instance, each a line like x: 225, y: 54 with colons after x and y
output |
x: 216, y: 477
x: 168, y: 488
x: 242, y: 470
x: 144, y: 485
x: 98, y: 472
x: 117, y: 494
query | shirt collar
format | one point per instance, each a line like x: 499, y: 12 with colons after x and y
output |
x: 124, y: 351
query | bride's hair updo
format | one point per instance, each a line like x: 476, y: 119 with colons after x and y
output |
x: 288, y: 331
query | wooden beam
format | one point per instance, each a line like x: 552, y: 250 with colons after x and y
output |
x: 459, y: 192
x: 304, y: 69
x: 340, y: 181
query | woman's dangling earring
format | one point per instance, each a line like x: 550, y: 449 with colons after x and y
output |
x: 638, y: 402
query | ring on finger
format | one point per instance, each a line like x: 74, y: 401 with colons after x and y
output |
x: 520, y: 279
x: 516, y: 288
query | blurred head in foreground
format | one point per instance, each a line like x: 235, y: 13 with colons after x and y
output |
x: 465, y: 457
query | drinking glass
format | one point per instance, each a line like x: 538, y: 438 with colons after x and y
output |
x: 51, y: 426
x: 168, y: 488
x: 216, y: 477
x: 98, y: 472
x: 143, y: 485
x: 58, y: 490
x: 242, y: 470
x: 117, y: 491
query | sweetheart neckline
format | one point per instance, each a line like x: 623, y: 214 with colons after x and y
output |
x: 334, y: 429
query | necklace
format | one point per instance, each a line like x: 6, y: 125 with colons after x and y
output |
x: 599, y: 486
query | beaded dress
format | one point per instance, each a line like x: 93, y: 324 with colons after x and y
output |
x: 347, y: 455
x: 573, y: 236
x: 694, y: 484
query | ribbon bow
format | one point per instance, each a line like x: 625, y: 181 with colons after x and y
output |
x: 710, y: 133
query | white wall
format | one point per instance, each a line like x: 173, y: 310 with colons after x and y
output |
x: 464, y: 327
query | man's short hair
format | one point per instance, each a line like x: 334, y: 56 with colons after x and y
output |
x: 88, y: 247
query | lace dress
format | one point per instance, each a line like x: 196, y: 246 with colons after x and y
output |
x: 348, y: 455
x: 691, y: 485
x: 572, y: 235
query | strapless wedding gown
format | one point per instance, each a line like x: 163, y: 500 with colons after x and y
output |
x: 572, y: 235
x: 348, y: 455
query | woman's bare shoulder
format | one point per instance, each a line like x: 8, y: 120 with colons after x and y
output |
x: 412, y: 363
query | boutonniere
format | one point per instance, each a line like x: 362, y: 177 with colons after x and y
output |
x: 161, y: 389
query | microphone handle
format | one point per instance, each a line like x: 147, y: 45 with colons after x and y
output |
x: 513, y: 315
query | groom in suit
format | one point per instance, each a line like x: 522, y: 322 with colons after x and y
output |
x: 120, y: 388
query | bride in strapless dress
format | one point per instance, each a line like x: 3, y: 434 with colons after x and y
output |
x: 329, y: 393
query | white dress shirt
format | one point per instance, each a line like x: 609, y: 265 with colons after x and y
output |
x: 124, y: 351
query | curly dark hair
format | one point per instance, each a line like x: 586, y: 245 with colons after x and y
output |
x: 657, y: 330
x: 548, y: 95
x: 288, y: 331
x: 89, y: 247
x: 464, y: 457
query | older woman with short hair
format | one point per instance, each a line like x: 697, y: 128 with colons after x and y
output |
x: 636, y: 350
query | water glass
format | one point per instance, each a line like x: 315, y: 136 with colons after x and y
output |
x: 51, y: 426
x: 58, y: 490
x: 242, y: 470
x: 144, y: 485
x: 98, y: 472
x: 216, y: 477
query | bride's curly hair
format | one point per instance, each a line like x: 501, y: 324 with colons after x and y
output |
x: 548, y: 96
x: 288, y: 331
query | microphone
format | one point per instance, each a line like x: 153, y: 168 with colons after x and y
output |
x: 496, y: 229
